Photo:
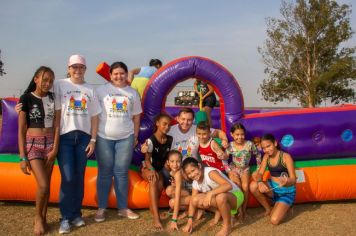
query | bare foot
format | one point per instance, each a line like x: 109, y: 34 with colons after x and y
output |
x: 216, y: 219
x: 241, y: 217
x: 45, y: 224
x: 224, y: 231
x: 39, y: 227
x: 199, y: 214
x: 182, y: 215
x: 267, y: 213
x: 264, y: 214
x: 213, y: 222
x: 246, y: 215
x: 234, y: 220
x: 157, y: 225
x: 166, y: 215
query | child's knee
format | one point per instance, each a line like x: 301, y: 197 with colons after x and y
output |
x: 245, y: 187
x: 274, y: 220
x: 195, y: 200
x: 253, y: 186
x: 221, y: 198
x: 43, y: 189
x: 169, y: 191
x: 254, y: 175
x: 171, y: 203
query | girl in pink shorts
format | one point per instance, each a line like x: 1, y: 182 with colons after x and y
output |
x: 38, y: 139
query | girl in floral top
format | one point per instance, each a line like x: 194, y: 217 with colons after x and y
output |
x: 241, y: 151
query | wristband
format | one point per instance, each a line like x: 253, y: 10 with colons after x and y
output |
x: 93, y: 140
x: 151, y: 168
x: 174, y: 220
x: 23, y: 159
x: 190, y: 217
x: 259, y: 181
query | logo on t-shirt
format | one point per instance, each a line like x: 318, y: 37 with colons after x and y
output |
x: 78, y: 105
x: 207, y: 158
x: 35, y: 113
x: 184, y: 147
x: 119, y: 104
x: 77, y: 102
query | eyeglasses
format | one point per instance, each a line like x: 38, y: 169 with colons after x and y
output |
x: 78, y: 67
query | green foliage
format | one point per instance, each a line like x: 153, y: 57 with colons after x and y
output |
x: 2, y: 72
x: 304, y: 57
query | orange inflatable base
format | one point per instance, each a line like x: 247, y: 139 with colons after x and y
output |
x: 17, y: 186
x: 322, y: 183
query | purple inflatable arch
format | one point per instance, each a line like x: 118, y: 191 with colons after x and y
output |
x: 166, y: 78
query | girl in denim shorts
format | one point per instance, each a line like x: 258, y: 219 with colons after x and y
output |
x: 280, y: 187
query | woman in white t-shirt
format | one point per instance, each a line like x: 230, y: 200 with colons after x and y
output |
x: 78, y: 108
x: 119, y: 125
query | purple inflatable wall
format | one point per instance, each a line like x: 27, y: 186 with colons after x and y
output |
x: 8, y: 135
x: 318, y: 134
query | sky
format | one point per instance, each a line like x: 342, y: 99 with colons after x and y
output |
x: 42, y: 32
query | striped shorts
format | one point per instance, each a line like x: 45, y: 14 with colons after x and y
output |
x: 38, y: 147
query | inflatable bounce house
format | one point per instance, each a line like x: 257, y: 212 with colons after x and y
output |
x: 320, y: 140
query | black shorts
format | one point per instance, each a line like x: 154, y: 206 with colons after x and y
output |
x: 210, y: 101
x: 166, y: 177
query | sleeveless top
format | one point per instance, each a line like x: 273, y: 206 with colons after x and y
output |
x: 203, y: 87
x: 208, y: 184
x: 279, y: 168
x: 241, y: 158
x: 160, y: 152
x: 209, y: 157
x: 39, y: 110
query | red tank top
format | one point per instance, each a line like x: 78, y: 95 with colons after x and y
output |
x: 209, y: 157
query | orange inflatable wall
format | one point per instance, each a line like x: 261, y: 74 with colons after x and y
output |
x: 321, y: 183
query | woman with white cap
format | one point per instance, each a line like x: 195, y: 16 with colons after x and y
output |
x: 78, y: 108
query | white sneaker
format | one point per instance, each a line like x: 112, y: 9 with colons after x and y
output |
x: 128, y: 214
x: 100, y: 215
x: 78, y: 222
x: 64, y: 227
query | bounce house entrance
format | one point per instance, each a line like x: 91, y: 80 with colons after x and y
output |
x: 164, y: 80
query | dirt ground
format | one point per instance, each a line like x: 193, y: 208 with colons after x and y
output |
x: 307, y: 219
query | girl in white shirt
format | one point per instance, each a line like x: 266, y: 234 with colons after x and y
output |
x: 212, y: 190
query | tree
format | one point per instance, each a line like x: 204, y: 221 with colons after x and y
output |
x: 2, y: 72
x: 304, y: 57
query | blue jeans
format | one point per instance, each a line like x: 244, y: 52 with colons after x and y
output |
x: 72, y: 160
x: 114, y: 158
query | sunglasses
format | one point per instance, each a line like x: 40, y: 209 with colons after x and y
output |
x: 78, y: 67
